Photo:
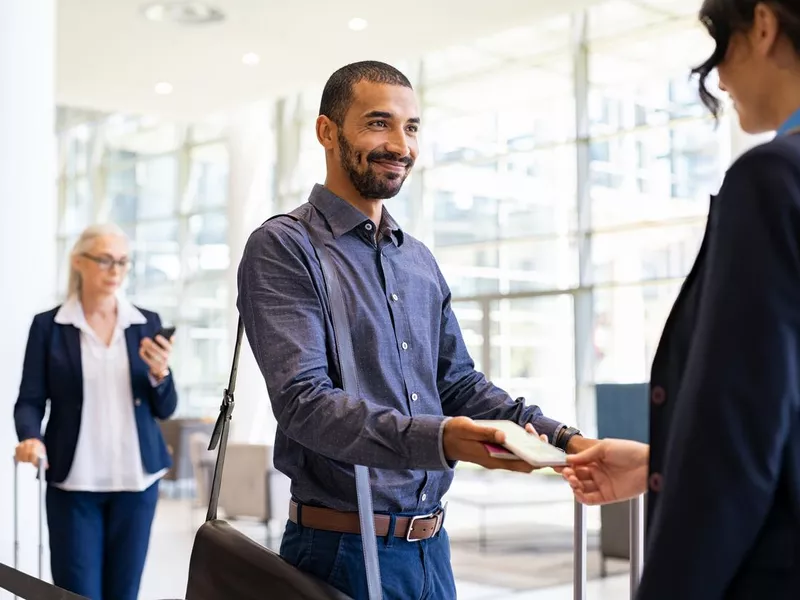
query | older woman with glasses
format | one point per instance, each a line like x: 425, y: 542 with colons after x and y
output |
x: 103, y: 366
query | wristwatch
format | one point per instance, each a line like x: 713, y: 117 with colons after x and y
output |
x: 563, y: 435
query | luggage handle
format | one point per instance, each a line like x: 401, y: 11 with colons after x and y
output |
x: 42, y: 459
x: 636, y: 507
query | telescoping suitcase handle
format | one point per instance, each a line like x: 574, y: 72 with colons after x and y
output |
x: 636, y: 547
x: 40, y: 502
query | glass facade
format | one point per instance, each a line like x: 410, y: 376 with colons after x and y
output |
x: 563, y: 186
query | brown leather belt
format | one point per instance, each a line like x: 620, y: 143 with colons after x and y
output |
x: 412, y: 529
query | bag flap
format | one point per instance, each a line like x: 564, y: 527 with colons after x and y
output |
x: 227, y: 564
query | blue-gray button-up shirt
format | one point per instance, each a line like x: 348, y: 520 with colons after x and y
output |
x: 414, y: 368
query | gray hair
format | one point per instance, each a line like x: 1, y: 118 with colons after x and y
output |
x: 84, y: 243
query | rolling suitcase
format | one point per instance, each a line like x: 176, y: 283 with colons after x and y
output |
x: 636, y: 547
x: 22, y: 585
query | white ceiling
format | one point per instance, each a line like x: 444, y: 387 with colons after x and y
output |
x: 110, y: 57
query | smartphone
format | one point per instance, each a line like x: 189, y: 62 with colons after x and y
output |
x: 527, y: 446
x: 167, y: 332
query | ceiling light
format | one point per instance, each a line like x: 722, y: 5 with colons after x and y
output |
x: 357, y: 24
x: 163, y: 88
x: 154, y: 12
x: 186, y: 13
x: 251, y: 59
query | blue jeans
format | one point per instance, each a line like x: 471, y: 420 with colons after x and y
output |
x: 99, y: 540
x: 409, y: 570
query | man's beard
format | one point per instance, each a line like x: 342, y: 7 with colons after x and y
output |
x: 368, y: 183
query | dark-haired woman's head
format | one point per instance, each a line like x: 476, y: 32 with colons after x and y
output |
x: 757, y: 58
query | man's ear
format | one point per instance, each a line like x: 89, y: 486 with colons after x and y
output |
x: 327, y: 131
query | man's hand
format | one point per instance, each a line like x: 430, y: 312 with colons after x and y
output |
x: 29, y: 451
x: 609, y: 471
x: 463, y: 440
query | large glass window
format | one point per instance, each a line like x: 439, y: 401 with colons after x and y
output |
x: 503, y: 166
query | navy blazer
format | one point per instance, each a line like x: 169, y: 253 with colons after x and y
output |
x: 52, y: 371
x: 724, y: 485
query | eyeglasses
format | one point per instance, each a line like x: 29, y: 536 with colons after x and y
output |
x: 106, y: 263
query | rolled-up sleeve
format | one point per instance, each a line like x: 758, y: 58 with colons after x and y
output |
x: 282, y: 310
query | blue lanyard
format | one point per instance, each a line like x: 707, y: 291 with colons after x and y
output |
x: 792, y: 123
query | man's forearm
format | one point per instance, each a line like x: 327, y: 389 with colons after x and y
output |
x: 346, y: 429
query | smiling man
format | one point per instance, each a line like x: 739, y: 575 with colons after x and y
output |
x: 419, y: 390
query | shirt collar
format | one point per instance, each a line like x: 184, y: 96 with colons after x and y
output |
x: 71, y: 313
x: 343, y: 217
x: 793, y: 122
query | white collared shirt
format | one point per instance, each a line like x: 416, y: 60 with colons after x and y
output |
x: 107, y: 456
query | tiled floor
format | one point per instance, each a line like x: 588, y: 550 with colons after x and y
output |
x: 167, y: 565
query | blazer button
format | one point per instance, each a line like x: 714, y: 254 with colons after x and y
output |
x: 658, y: 395
x: 137, y: 402
x: 656, y: 482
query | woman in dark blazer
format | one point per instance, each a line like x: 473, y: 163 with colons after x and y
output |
x: 723, y: 465
x: 95, y: 360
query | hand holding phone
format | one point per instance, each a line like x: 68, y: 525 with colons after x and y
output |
x: 166, y: 333
x: 156, y: 353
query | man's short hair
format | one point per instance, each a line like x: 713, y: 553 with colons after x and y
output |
x: 338, y: 93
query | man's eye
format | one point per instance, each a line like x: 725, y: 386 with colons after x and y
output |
x: 378, y: 124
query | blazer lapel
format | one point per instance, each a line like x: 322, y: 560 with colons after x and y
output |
x: 72, y: 339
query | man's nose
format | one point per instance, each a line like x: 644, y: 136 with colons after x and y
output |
x: 397, y: 144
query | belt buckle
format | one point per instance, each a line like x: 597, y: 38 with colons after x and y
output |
x: 437, y: 514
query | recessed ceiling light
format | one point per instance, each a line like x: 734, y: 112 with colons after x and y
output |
x: 186, y: 13
x: 154, y: 12
x: 251, y: 59
x: 357, y: 24
x: 163, y: 88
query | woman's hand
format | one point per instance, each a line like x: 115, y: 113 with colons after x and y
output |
x: 156, y: 355
x: 29, y: 451
x: 610, y: 471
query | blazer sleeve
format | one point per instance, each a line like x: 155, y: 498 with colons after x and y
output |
x: 163, y: 396
x: 33, y: 390
x: 739, y: 396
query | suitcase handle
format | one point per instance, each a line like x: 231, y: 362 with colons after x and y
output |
x: 41, y: 477
x: 636, y: 507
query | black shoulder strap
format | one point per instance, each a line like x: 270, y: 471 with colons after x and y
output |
x: 347, y: 365
x: 28, y: 587
x: 219, y: 435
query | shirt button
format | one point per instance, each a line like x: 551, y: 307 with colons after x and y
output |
x: 394, y: 297
x: 137, y: 402
x: 424, y: 497
x: 368, y: 226
x: 656, y: 482
x: 658, y: 395
x: 414, y: 397
x: 404, y: 345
